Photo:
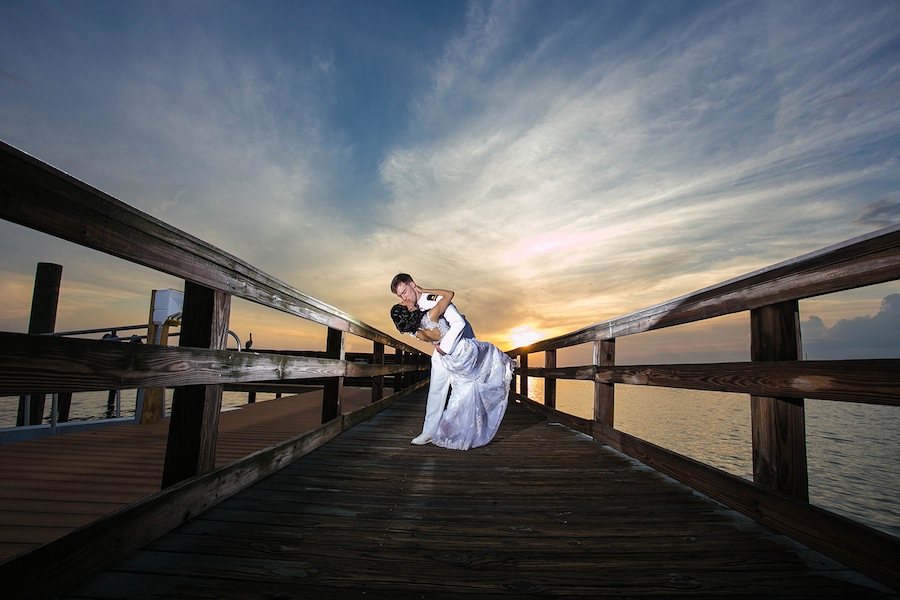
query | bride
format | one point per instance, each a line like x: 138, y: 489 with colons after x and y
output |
x: 480, y: 375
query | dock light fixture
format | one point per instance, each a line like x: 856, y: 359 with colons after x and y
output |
x: 167, y: 304
x: 167, y: 307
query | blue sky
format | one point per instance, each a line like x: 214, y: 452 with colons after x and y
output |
x: 555, y: 163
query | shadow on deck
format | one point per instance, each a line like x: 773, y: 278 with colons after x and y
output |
x: 541, y: 511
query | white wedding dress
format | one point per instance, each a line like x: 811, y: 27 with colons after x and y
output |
x: 479, y: 391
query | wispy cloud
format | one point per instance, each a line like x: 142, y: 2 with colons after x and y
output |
x: 880, y: 213
x: 557, y: 165
x: 654, y: 170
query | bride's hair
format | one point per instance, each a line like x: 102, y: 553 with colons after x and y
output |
x: 406, y: 321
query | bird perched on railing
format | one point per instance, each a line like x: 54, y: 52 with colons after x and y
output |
x: 249, y: 343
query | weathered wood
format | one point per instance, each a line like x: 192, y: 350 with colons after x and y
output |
x: 539, y: 512
x: 870, y: 381
x: 87, y: 475
x: 550, y: 382
x: 63, y: 406
x: 604, y: 393
x: 377, y: 380
x: 423, y: 367
x: 778, y: 423
x: 331, y: 400
x: 127, y: 529
x: 404, y: 378
x: 44, y: 300
x: 523, y: 374
x: 45, y: 199
x: 577, y: 423
x: 194, y: 424
x: 86, y: 365
x: 871, y: 551
x: 584, y: 373
x: 48, y: 364
x: 349, y: 419
x: 154, y: 398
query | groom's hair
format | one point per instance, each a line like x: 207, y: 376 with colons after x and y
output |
x: 398, y: 279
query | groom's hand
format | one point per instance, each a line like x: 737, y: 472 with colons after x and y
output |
x: 438, y: 349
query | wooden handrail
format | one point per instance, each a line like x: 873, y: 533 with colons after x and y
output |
x: 776, y: 379
x: 68, y: 364
x: 865, y: 260
x: 41, y: 197
x: 45, y: 199
x: 868, y: 381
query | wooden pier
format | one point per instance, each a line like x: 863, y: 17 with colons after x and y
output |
x: 349, y: 508
x: 51, y: 486
x: 542, y: 511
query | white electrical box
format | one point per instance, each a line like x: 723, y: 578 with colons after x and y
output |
x: 167, y: 303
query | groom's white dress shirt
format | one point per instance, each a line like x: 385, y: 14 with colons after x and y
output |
x: 439, y: 386
x: 459, y: 327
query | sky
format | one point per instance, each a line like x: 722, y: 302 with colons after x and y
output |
x: 555, y: 163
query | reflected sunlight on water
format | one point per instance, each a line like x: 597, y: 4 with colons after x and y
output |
x: 853, y: 450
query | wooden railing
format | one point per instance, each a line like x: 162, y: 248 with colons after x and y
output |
x: 45, y: 199
x: 776, y: 379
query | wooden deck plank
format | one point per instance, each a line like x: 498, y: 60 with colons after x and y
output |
x: 53, y: 485
x: 541, y: 511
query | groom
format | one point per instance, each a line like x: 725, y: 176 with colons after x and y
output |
x: 403, y: 286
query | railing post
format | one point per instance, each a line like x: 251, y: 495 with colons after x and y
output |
x: 331, y: 398
x: 778, y: 424
x: 406, y: 378
x: 550, y: 382
x: 44, y: 301
x: 153, y: 400
x: 378, y: 380
x: 604, y: 393
x: 396, y: 378
x: 523, y: 374
x: 194, y: 425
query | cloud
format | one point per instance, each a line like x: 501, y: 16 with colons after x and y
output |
x: 868, y: 336
x: 657, y: 170
x: 554, y: 167
x: 881, y: 213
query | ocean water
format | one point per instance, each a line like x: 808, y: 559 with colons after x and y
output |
x: 853, y: 450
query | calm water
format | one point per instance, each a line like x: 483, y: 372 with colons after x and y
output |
x: 853, y: 450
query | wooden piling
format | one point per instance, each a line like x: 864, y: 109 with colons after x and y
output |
x: 778, y: 423
x: 44, y: 302
x: 193, y: 427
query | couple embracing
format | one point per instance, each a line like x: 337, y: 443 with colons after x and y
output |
x: 476, y: 374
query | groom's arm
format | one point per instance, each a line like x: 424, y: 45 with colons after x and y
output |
x: 457, y: 325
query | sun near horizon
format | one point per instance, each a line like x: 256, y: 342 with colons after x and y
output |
x: 524, y: 335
